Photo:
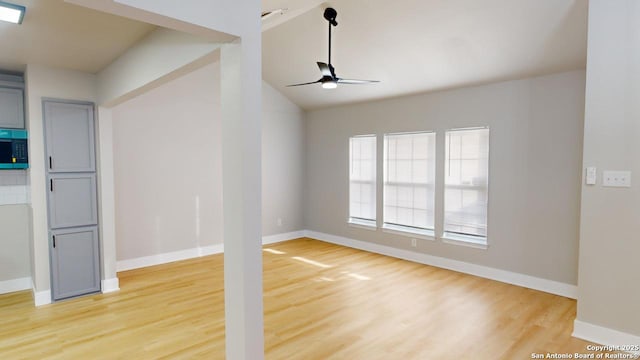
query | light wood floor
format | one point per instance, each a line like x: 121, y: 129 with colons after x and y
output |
x: 321, y: 302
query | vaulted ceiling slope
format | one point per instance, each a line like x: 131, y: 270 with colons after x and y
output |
x: 417, y: 46
x: 67, y: 36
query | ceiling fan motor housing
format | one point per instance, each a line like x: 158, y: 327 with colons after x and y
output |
x: 330, y: 14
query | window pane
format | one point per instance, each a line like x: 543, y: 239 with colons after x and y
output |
x: 421, y: 198
x: 362, y: 177
x: 466, y: 181
x: 409, y: 177
x: 420, y: 218
x: 420, y: 171
x: 390, y: 214
x: 403, y: 170
x: 354, y: 192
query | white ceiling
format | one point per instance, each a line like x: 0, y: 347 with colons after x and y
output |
x: 412, y: 46
x: 66, y: 36
x: 422, y: 45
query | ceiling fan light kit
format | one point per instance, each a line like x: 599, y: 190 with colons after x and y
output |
x: 329, y: 79
x: 330, y: 84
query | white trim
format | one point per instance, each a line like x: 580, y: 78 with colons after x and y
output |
x: 469, y: 128
x: 110, y: 285
x: 408, y: 232
x: 42, y: 297
x: 362, y: 225
x: 13, y: 285
x: 451, y: 241
x: 550, y: 286
x: 211, y: 250
x: 367, y: 223
x: 272, y: 239
x: 145, y: 261
x: 602, y: 335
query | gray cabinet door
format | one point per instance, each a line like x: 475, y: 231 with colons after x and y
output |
x: 73, y: 262
x: 72, y: 200
x: 69, y: 133
x: 11, y: 108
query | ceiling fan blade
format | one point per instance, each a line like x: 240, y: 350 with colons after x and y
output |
x: 325, y: 69
x: 308, y: 83
x: 356, y: 82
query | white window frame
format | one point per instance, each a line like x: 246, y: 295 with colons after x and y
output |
x: 455, y: 238
x: 401, y: 229
x: 368, y: 224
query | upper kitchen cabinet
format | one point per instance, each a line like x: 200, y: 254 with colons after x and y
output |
x: 11, y: 101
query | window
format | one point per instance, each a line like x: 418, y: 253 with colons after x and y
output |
x: 362, y: 180
x: 409, y: 177
x: 466, y: 185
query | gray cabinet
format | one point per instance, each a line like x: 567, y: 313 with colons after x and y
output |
x: 74, y: 255
x: 11, y: 108
x: 72, y: 198
x: 70, y: 137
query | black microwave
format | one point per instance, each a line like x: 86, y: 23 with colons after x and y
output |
x: 13, y: 149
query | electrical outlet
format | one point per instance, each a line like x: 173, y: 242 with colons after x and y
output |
x: 279, y: 221
x: 414, y: 242
x: 616, y: 178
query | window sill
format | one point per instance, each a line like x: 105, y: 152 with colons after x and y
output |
x: 362, y: 224
x: 409, y: 232
x: 470, y: 241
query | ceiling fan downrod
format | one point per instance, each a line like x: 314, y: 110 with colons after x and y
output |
x: 330, y: 15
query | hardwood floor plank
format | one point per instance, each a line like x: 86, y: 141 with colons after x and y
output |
x: 321, y: 301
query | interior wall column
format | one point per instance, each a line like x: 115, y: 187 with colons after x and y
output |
x: 241, y: 168
x: 37, y: 181
x: 106, y: 192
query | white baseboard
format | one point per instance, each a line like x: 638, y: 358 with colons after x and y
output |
x: 13, y: 285
x: 211, y: 250
x: 110, y: 285
x: 550, y: 286
x: 272, y: 239
x: 42, y: 297
x: 165, y: 258
x: 145, y: 261
x: 602, y: 335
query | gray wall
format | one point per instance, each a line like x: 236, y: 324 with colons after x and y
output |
x: 168, y: 170
x: 14, y: 242
x: 609, y: 294
x: 535, y: 168
x: 283, y: 163
x: 167, y: 167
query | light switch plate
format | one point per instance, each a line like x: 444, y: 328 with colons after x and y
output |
x: 616, y: 178
x: 591, y: 176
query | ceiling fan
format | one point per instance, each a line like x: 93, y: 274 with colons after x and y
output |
x: 329, y: 79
